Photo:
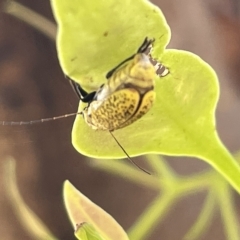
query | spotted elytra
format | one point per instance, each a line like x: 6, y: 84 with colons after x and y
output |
x: 127, y: 95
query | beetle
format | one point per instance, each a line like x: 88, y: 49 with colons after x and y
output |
x: 125, y: 97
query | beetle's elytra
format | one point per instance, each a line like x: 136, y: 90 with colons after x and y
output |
x: 125, y: 97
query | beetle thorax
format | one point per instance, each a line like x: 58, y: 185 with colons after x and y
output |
x: 139, y: 74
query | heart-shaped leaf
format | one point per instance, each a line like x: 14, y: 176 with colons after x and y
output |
x: 182, y: 120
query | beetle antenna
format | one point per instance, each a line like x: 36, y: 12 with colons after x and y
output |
x: 39, y: 120
x: 129, y: 158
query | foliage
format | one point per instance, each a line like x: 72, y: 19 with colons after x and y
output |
x: 182, y: 121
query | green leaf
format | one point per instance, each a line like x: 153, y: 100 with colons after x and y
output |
x: 182, y: 120
x: 85, y: 231
x: 82, y: 210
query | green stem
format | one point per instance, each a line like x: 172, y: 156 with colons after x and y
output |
x: 220, y: 158
x: 37, y: 21
x: 202, y: 223
x: 122, y: 169
x: 229, y: 216
x: 160, y: 166
x: 29, y: 220
x: 194, y: 183
x: 157, y: 210
x: 154, y: 214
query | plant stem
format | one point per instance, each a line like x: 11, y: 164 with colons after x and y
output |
x: 161, y: 167
x: 229, y: 216
x: 202, y: 223
x: 37, y: 21
x: 222, y: 161
x: 125, y: 171
x: 154, y: 214
x: 29, y: 220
